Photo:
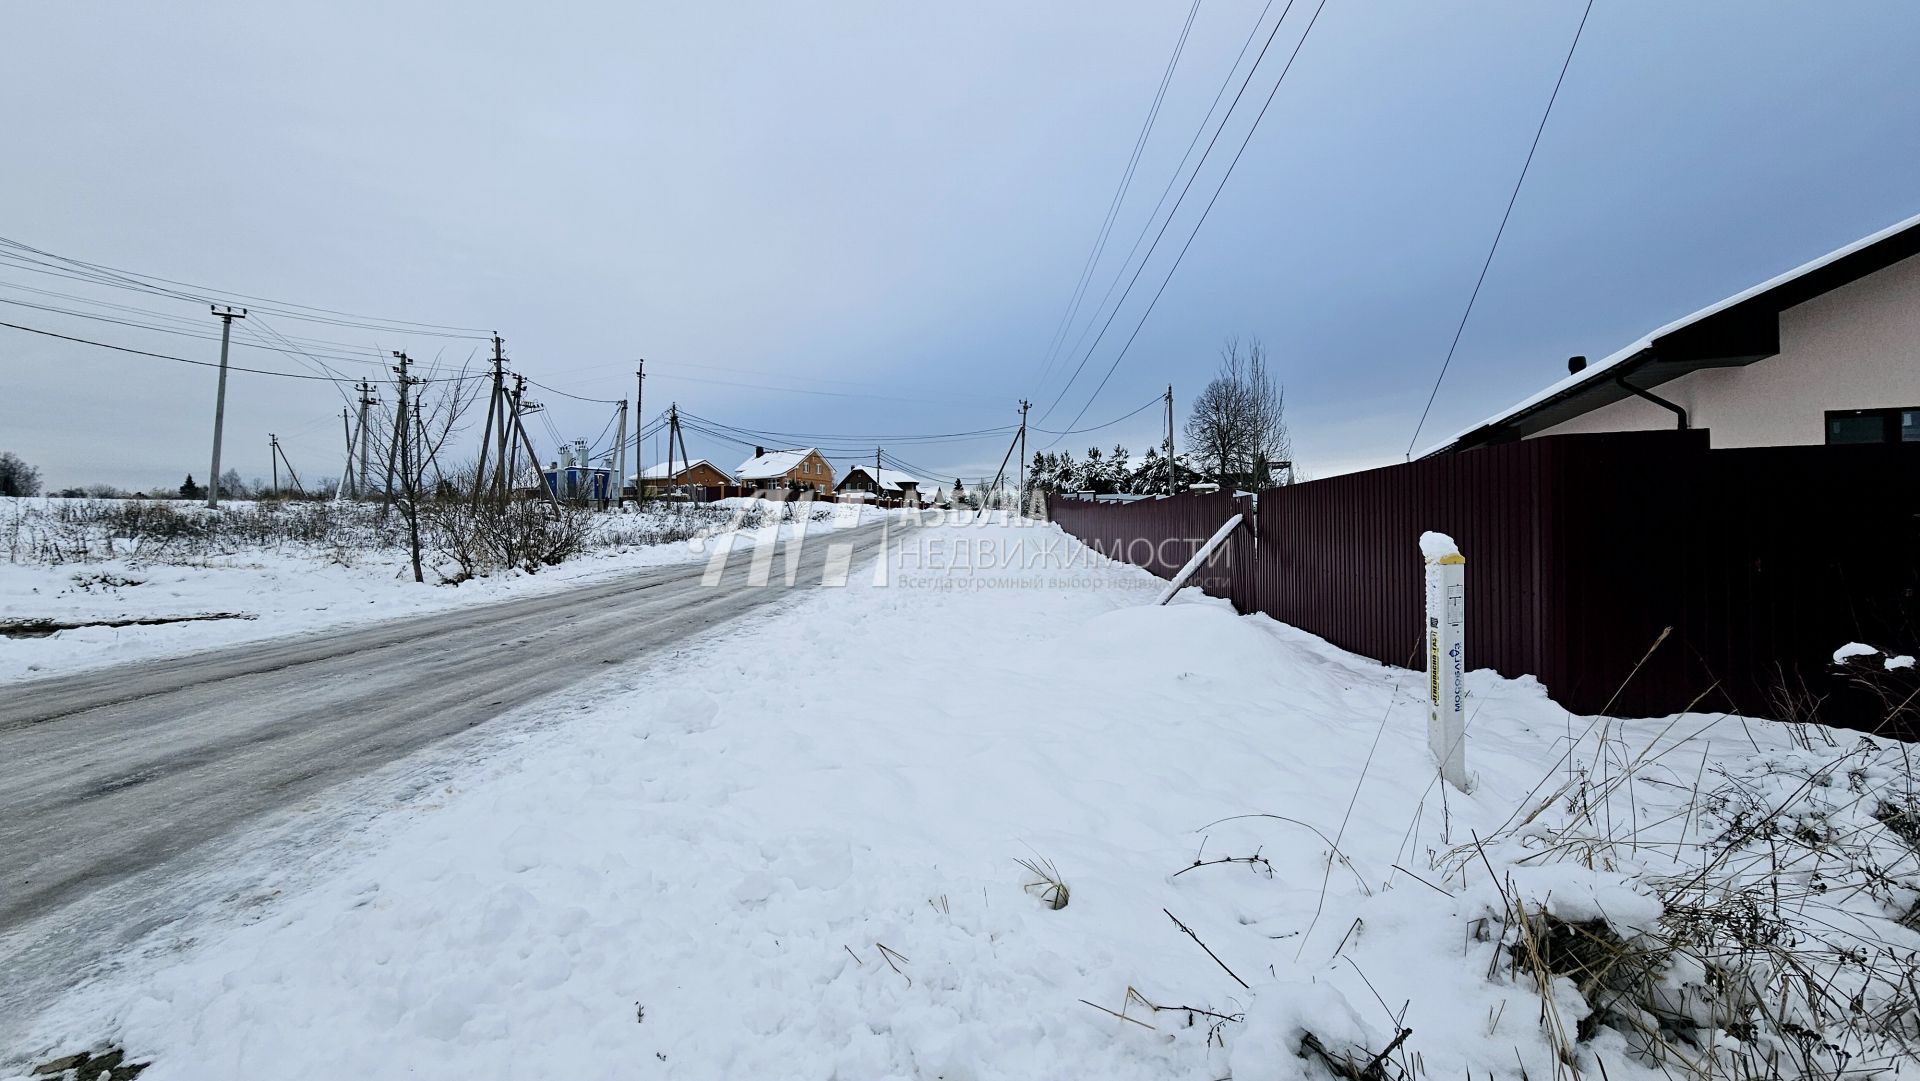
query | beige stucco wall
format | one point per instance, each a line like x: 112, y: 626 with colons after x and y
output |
x: 1857, y: 347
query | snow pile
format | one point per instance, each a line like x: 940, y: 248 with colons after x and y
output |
x: 790, y: 851
x: 1437, y: 546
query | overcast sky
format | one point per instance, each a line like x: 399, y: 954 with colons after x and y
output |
x: 862, y: 220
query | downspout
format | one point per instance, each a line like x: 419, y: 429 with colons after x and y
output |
x: 1621, y: 380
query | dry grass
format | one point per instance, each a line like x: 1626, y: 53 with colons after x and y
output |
x: 1045, y: 882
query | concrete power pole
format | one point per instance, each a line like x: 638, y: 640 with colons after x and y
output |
x: 673, y: 429
x: 273, y: 455
x: 1024, y: 406
x: 346, y: 475
x: 366, y: 400
x: 620, y: 459
x: 227, y: 315
x: 1170, y: 470
x: 639, y: 419
x: 502, y: 471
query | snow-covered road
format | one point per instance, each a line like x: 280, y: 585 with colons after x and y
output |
x: 115, y: 779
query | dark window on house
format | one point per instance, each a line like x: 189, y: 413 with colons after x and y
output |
x: 1873, y: 426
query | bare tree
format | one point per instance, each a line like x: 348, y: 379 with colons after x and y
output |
x: 17, y: 477
x: 1237, y: 429
x: 432, y: 419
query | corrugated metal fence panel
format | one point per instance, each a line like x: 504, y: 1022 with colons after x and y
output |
x: 1580, y: 551
x: 1800, y: 550
x: 1159, y: 535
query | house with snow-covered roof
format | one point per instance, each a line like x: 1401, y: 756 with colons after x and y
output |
x: 881, y: 483
x: 699, y: 472
x: 788, y: 470
x: 1826, y: 353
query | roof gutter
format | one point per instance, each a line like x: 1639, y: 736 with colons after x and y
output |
x: 1621, y: 382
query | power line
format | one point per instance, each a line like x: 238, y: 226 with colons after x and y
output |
x: 188, y: 360
x: 1501, y: 231
x: 575, y: 397
x: 1111, y: 368
x: 1174, y: 178
x: 181, y: 332
x: 1155, y: 400
x: 105, y: 274
x: 192, y: 323
x: 863, y: 438
x: 1175, y: 210
x: 1119, y: 195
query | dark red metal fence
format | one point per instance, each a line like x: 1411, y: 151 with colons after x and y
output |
x: 1581, y: 551
x: 1159, y: 535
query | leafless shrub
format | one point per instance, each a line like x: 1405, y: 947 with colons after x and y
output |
x: 487, y: 534
x: 63, y: 531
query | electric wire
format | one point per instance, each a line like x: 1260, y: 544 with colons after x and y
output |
x: 1198, y: 166
x: 207, y: 294
x: 1501, y: 231
x: 1218, y: 188
x: 1174, y: 178
x: 1119, y: 195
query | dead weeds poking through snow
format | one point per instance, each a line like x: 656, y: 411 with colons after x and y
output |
x: 1047, y: 883
x: 1762, y: 923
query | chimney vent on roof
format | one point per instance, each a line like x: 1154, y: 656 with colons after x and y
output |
x: 1576, y: 365
x: 759, y: 452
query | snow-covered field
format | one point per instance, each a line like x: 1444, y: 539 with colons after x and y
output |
x: 790, y: 851
x: 287, y: 588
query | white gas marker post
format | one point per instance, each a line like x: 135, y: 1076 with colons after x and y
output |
x: 1446, y: 656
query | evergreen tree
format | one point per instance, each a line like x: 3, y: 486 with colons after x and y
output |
x: 190, y: 490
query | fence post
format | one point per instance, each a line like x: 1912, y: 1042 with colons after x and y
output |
x: 1446, y: 656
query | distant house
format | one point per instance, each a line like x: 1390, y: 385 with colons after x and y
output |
x: 1828, y: 352
x: 787, y: 469
x: 700, y: 472
x: 880, y: 483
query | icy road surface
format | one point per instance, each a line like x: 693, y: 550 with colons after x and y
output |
x: 113, y: 779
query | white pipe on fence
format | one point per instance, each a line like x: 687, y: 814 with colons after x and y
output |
x: 1226, y: 530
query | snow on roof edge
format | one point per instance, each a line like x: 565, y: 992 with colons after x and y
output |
x: 1594, y: 370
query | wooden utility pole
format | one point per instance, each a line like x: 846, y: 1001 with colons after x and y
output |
x: 227, y: 315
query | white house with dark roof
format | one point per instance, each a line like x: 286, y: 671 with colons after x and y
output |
x: 1828, y: 352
